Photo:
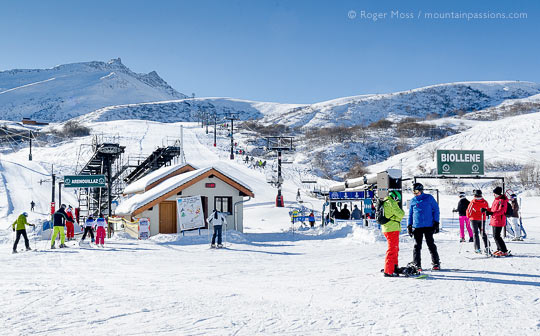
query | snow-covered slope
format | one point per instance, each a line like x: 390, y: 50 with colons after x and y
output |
x: 511, y: 141
x: 269, y: 281
x: 70, y: 90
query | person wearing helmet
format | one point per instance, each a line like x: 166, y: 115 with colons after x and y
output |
x: 424, y: 219
x: 20, y: 227
x: 391, y: 229
x: 478, y: 220
x: 59, y: 220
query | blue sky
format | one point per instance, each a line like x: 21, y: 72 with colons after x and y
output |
x: 284, y: 51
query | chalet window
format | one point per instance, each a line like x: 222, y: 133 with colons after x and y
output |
x: 223, y: 204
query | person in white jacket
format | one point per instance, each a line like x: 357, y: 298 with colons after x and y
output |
x: 217, y: 220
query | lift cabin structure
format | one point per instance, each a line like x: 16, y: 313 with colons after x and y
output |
x: 160, y: 157
x: 107, y: 158
x: 102, y: 162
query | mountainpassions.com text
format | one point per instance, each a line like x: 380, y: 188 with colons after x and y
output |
x: 420, y: 15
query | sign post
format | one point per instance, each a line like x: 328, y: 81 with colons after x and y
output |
x: 460, y: 162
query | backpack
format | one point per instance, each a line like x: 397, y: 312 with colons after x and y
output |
x: 379, y: 213
x: 509, y: 211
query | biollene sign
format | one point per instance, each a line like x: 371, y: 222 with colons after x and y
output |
x: 460, y: 162
x: 84, y: 181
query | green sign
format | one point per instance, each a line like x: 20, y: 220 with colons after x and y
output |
x: 460, y: 162
x: 84, y: 181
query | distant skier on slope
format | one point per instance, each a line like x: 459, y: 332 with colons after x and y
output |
x: 217, y: 220
x: 463, y: 219
x: 100, y: 224
x: 70, y: 228
x: 478, y: 219
x: 19, y: 226
x: 498, y: 220
x: 32, y: 205
x: 59, y: 220
x: 391, y: 230
x: 423, y: 222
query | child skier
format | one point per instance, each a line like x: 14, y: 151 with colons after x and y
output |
x: 100, y: 231
x: 70, y: 228
x: 88, y: 228
x: 478, y: 219
x: 391, y: 230
x: 462, y: 206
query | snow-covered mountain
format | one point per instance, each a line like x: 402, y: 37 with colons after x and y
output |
x: 105, y: 91
x: 187, y: 110
x: 70, y: 90
x: 437, y: 100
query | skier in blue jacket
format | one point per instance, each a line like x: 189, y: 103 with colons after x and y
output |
x: 423, y: 222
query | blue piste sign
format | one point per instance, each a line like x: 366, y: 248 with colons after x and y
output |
x: 351, y: 195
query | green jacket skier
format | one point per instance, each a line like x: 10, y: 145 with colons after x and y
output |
x: 391, y: 230
x: 394, y: 213
x: 20, y: 227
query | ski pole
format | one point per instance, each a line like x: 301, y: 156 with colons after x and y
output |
x: 35, y: 243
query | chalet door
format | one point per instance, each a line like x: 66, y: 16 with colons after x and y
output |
x: 167, y: 217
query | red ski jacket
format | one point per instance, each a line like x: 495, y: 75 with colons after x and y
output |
x: 474, y: 210
x: 499, y: 209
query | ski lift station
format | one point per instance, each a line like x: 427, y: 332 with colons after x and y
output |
x: 180, y: 197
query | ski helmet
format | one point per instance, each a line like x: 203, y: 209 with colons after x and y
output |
x: 418, y: 186
x: 478, y: 193
x: 461, y: 194
x: 25, y: 214
x: 63, y: 206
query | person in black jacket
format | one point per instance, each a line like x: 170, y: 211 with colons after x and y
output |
x: 345, y: 213
x: 462, y: 206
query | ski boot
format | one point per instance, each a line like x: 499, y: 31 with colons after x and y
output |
x: 28, y: 249
x: 212, y: 245
x: 479, y: 251
x: 63, y: 245
x: 52, y: 247
x: 436, y: 267
x: 393, y: 275
x: 14, y: 251
x: 471, y: 239
x: 462, y: 240
x: 219, y: 245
